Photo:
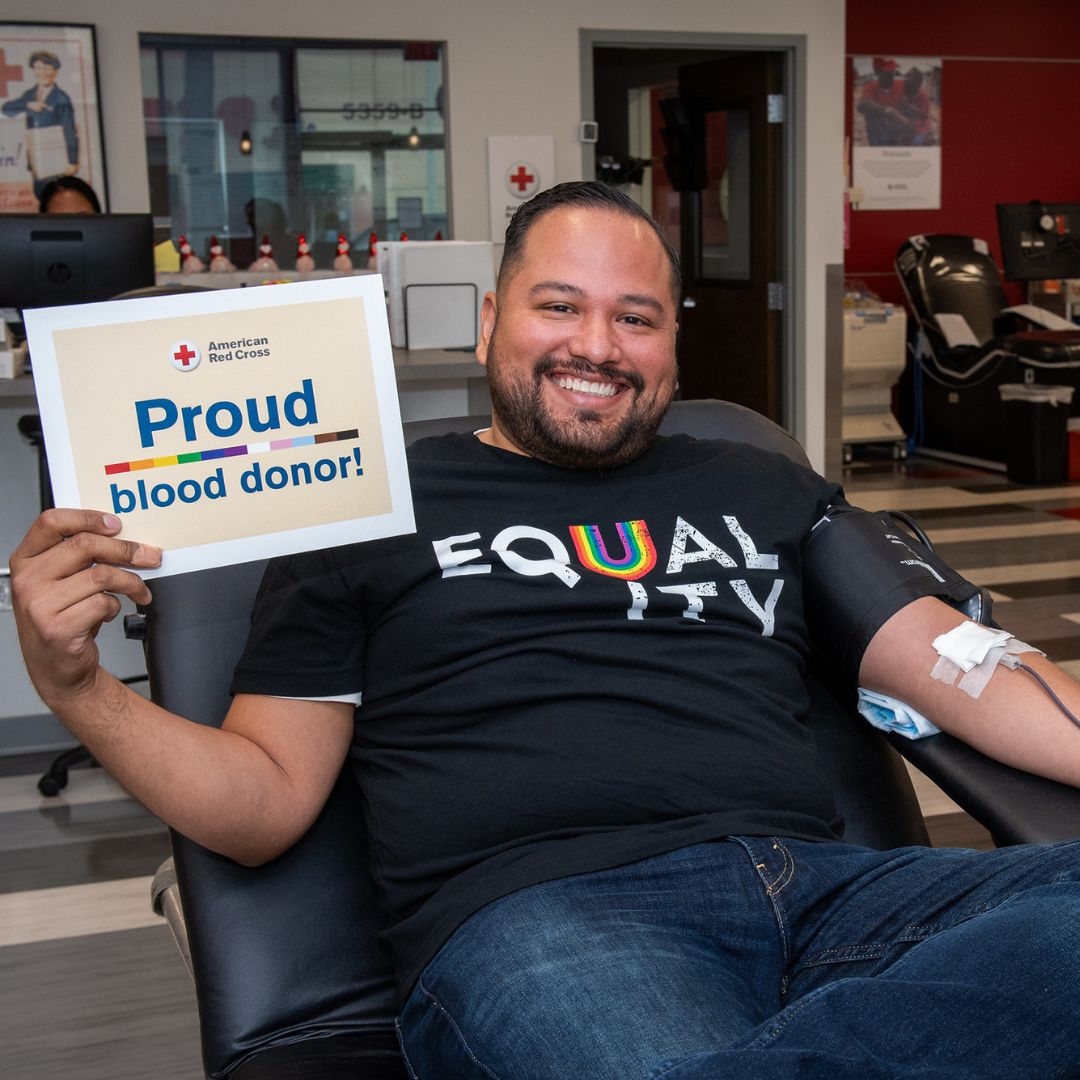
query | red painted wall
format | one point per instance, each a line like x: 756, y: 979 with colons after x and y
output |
x: 1010, y: 127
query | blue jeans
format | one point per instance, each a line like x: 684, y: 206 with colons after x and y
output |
x: 766, y: 958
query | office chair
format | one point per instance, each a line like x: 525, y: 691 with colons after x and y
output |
x: 964, y: 342
x: 291, y: 978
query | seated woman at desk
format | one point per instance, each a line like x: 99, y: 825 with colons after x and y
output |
x: 68, y: 195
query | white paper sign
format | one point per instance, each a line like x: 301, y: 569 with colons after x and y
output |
x: 228, y: 425
x: 518, y: 167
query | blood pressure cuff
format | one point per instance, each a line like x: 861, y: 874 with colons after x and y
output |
x: 859, y: 569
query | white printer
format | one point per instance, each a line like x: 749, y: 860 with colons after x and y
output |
x: 875, y: 337
x: 434, y: 290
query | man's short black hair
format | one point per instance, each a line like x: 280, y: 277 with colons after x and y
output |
x: 589, y: 194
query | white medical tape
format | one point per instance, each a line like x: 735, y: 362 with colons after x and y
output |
x: 946, y: 671
x: 969, y: 654
x: 967, y: 644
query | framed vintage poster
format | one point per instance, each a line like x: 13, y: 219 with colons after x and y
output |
x: 50, y: 122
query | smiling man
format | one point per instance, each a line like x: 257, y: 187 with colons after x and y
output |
x: 601, y: 840
x: 588, y: 368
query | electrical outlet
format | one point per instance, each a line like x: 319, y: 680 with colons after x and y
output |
x: 5, y: 589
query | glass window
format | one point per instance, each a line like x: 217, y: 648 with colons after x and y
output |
x: 265, y: 136
x: 725, y: 199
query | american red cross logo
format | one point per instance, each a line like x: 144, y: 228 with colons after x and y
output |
x: 522, y: 179
x: 184, y: 355
x: 8, y: 73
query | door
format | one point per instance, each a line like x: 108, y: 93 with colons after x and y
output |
x: 725, y: 150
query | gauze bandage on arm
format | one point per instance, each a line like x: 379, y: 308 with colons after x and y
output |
x: 969, y: 653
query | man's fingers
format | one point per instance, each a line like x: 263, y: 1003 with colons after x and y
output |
x: 57, y: 626
x: 85, y: 548
x: 55, y: 525
x: 74, y: 623
x: 109, y: 579
x: 67, y: 578
x: 88, y: 535
x: 74, y: 589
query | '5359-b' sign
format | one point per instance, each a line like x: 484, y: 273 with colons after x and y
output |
x: 381, y: 110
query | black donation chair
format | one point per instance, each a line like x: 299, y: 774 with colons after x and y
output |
x: 290, y: 975
x: 963, y: 343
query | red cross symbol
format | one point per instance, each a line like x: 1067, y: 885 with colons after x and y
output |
x: 185, y: 354
x: 522, y: 178
x: 8, y: 73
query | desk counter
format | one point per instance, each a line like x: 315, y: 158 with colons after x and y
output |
x: 411, y: 368
x: 18, y: 391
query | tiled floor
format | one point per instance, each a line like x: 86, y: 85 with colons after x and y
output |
x: 91, y: 986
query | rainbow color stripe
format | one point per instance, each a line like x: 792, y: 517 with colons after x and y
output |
x: 230, y: 451
x: 638, y: 553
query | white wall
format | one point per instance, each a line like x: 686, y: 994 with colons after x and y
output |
x: 513, y: 69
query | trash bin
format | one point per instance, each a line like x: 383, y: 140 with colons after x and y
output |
x: 1036, y: 435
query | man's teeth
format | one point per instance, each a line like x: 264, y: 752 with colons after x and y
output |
x: 600, y: 389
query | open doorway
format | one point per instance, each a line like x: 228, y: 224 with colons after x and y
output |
x: 696, y: 134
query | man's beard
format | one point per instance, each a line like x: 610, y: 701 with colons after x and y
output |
x: 584, y: 440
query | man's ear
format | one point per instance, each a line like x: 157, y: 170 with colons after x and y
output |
x: 487, y: 325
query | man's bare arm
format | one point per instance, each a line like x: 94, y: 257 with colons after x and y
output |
x: 1013, y: 720
x: 247, y: 790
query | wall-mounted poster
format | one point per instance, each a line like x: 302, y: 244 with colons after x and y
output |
x: 50, y: 125
x: 896, y: 133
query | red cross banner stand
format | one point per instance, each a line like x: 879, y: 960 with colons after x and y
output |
x: 518, y: 167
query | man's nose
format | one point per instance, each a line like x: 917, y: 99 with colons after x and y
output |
x: 594, y: 339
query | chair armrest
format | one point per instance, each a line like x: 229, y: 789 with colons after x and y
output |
x: 1016, y: 807
x: 165, y: 900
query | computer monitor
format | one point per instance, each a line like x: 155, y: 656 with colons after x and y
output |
x: 52, y: 259
x: 1039, y: 241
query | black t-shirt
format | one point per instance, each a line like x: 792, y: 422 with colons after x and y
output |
x: 561, y: 671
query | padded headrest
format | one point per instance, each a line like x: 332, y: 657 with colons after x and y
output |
x: 703, y: 419
x: 951, y: 275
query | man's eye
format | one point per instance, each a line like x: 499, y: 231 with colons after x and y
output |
x: 636, y: 320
